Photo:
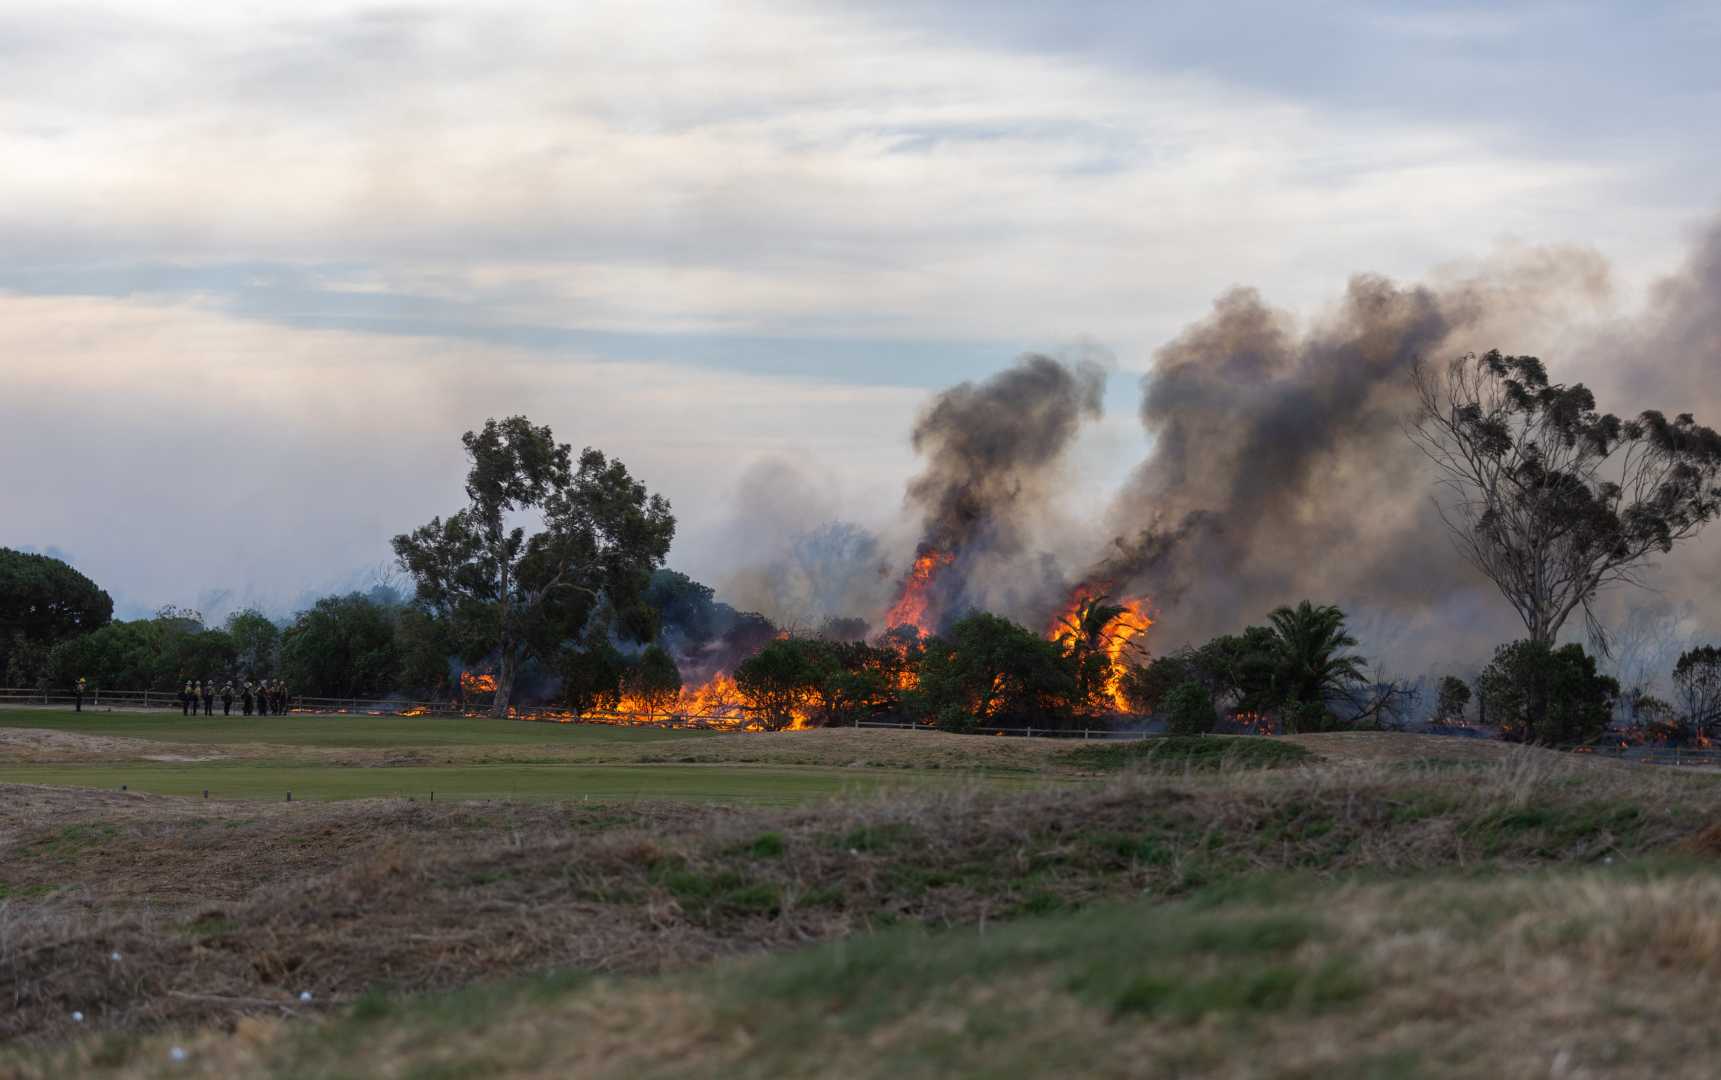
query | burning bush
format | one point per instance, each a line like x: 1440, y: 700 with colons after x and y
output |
x: 989, y: 670
x: 779, y: 683
x: 654, y: 680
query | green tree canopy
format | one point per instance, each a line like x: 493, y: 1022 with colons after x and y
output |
x: 43, y: 601
x: 780, y: 681
x: 654, y: 680
x: 516, y: 595
x: 1539, y: 694
x: 1189, y: 710
x: 989, y: 670
x: 256, y: 640
x: 1311, y: 664
x: 1453, y: 699
x: 344, y: 646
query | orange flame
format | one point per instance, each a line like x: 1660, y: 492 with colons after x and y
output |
x: 911, y: 606
x: 477, y: 684
x: 717, y: 703
x: 1113, y: 639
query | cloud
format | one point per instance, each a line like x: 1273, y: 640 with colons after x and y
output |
x: 178, y: 450
x: 740, y: 168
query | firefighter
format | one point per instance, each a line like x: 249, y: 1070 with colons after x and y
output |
x: 78, y: 694
x: 209, y: 697
x: 246, y: 699
x: 281, y: 695
x: 227, y: 698
x: 185, y: 699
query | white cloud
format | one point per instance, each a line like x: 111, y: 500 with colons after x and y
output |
x: 176, y: 450
x: 745, y: 167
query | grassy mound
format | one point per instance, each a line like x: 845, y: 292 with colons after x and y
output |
x: 1377, y: 981
x: 1179, y: 753
x: 421, y: 897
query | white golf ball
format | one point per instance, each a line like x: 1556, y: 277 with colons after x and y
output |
x: 304, y: 995
x: 115, y: 957
x: 177, y: 1053
x: 77, y: 1017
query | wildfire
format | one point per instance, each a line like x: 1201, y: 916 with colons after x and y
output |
x: 717, y: 703
x: 911, y: 607
x: 416, y: 710
x: 477, y: 684
x: 1075, y: 627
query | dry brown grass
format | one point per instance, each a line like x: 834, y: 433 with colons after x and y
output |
x: 1565, y: 978
x: 234, y: 913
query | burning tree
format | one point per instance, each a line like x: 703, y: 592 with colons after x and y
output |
x: 1099, y: 637
x: 516, y: 596
x: 1552, y: 500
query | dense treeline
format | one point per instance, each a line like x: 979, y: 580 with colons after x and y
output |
x: 359, y: 645
x: 43, y: 602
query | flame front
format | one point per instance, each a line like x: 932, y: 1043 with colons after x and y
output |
x: 717, y: 703
x: 911, y: 608
x: 1114, y: 638
x: 477, y: 684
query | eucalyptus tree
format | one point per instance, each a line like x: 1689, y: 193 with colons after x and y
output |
x: 545, y: 545
x: 1549, y: 498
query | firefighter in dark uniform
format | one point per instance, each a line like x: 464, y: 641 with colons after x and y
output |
x: 185, y: 700
x: 281, y: 697
x: 262, y: 697
x: 78, y: 694
x: 246, y: 699
x: 209, y: 697
x: 227, y: 698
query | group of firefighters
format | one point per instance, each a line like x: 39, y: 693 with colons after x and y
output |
x: 265, y: 697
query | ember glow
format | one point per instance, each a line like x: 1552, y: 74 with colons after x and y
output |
x: 912, y: 608
x: 477, y: 684
x: 1116, y: 638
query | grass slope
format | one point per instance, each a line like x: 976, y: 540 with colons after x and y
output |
x: 391, y: 732
x: 426, y: 898
x: 549, y: 781
x: 1443, y: 978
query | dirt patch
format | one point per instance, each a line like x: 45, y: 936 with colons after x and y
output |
x: 1399, y: 746
x: 35, y: 745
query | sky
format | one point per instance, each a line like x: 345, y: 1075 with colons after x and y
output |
x: 261, y: 264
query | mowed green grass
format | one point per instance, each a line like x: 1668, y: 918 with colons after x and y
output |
x: 699, y: 783
x: 350, y: 732
x: 268, y: 779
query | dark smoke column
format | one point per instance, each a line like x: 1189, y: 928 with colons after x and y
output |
x: 991, y: 452
x: 1279, y: 469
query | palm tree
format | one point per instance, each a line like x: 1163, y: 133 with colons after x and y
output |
x: 1310, y: 664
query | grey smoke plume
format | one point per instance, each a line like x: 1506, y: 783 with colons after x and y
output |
x: 991, y: 449
x: 1279, y: 468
